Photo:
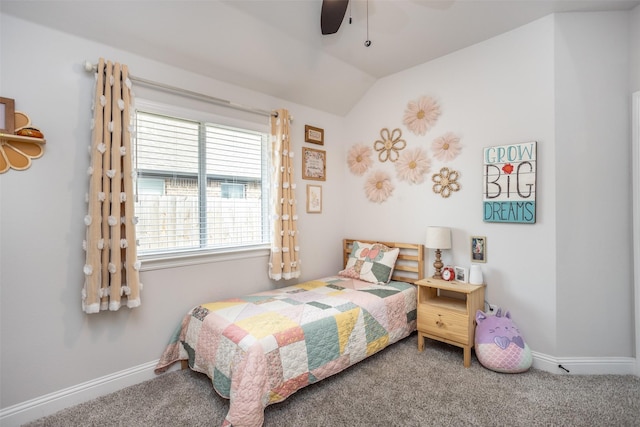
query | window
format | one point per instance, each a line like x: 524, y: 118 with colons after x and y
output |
x: 201, y: 186
x: 232, y: 191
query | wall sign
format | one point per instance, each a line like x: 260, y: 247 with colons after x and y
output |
x: 314, y: 164
x: 509, y: 187
x: 314, y: 135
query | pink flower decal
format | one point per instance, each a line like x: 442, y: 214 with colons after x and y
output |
x: 378, y: 187
x: 421, y: 115
x: 359, y: 159
x: 412, y: 165
x: 447, y: 147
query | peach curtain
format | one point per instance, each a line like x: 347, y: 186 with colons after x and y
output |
x: 111, y: 267
x: 285, y: 261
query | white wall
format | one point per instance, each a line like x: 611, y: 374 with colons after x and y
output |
x: 563, y: 82
x: 634, y: 38
x: 494, y: 93
x: 593, y: 136
x: 48, y: 343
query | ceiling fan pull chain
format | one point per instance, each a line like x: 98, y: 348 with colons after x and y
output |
x: 367, y: 42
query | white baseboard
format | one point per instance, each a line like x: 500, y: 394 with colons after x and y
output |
x: 33, y: 409
x: 16, y: 415
x: 585, y: 365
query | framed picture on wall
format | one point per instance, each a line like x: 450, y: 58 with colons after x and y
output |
x: 314, y: 198
x: 478, y: 249
x: 314, y: 164
x: 313, y: 135
x: 7, y: 106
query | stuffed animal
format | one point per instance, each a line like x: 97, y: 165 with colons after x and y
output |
x: 499, y: 345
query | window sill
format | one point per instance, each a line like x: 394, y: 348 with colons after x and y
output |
x: 184, y: 259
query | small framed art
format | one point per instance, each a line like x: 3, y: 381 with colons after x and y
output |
x: 461, y: 274
x: 314, y: 198
x: 314, y: 135
x: 478, y: 249
x: 314, y: 164
x: 7, y: 109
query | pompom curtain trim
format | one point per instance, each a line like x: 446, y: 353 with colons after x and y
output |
x: 111, y: 266
x: 284, y: 262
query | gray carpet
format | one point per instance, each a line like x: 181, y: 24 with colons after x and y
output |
x: 397, y: 387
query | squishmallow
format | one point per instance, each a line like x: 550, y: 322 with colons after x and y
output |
x: 499, y: 345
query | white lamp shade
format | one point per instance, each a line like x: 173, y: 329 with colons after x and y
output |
x: 438, y: 238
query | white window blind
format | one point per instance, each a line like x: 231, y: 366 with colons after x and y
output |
x: 200, y: 185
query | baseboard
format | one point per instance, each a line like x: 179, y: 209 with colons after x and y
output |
x: 585, y: 365
x: 31, y: 410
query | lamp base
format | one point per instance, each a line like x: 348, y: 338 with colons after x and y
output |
x: 438, y: 265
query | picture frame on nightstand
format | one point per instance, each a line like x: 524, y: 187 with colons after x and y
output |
x: 461, y: 274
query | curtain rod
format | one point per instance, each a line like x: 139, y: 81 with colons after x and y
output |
x: 89, y: 67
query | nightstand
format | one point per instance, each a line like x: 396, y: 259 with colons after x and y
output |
x: 446, y: 312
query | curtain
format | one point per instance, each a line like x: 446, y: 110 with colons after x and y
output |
x: 284, y: 262
x: 111, y: 267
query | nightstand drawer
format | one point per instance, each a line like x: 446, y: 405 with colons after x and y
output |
x: 444, y: 323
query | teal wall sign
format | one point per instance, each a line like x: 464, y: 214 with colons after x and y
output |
x: 509, y: 193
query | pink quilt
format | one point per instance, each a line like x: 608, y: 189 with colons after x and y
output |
x: 261, y: 348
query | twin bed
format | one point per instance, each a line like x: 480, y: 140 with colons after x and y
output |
x: 261, y: 348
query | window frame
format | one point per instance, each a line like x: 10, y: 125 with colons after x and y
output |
x: 188, y: 257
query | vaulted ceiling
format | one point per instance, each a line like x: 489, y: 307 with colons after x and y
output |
x: 276, y: 46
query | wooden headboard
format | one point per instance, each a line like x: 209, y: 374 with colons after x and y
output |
x: 410, y: 262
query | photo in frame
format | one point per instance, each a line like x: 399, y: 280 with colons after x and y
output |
x: 314, y: 198
x: 478, y: 249
x: 461, y: 274
x: 7, y: 110
x: 314, y: 164
x: 314, y: 135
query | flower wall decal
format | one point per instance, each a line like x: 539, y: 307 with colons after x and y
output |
x: 378, y: 187
x: 445, y: 182
x: 389, y: 145
x: 412, y: 165
x: 421, y: 115
x: 359, y: 159
x: 17, y: 154
x: 446, y: 147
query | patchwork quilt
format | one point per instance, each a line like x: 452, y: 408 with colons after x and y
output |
x: 261, y: 348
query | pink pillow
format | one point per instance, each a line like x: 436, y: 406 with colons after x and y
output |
x: 371, y: 262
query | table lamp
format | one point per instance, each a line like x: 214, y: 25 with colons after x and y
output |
x: 438, y: 238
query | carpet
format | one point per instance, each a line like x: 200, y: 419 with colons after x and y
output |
x: 399, y: 386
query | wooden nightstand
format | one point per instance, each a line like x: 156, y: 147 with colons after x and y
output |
x: 446, y: 312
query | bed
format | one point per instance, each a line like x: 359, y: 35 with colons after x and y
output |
x: 261, y: 348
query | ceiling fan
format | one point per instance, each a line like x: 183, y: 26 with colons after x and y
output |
x: 333, y: 11
x: 332, y: 15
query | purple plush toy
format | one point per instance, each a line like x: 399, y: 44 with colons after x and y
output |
x: 499, y: 345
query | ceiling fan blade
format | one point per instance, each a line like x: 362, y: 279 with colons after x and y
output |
x: 332, y: 15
